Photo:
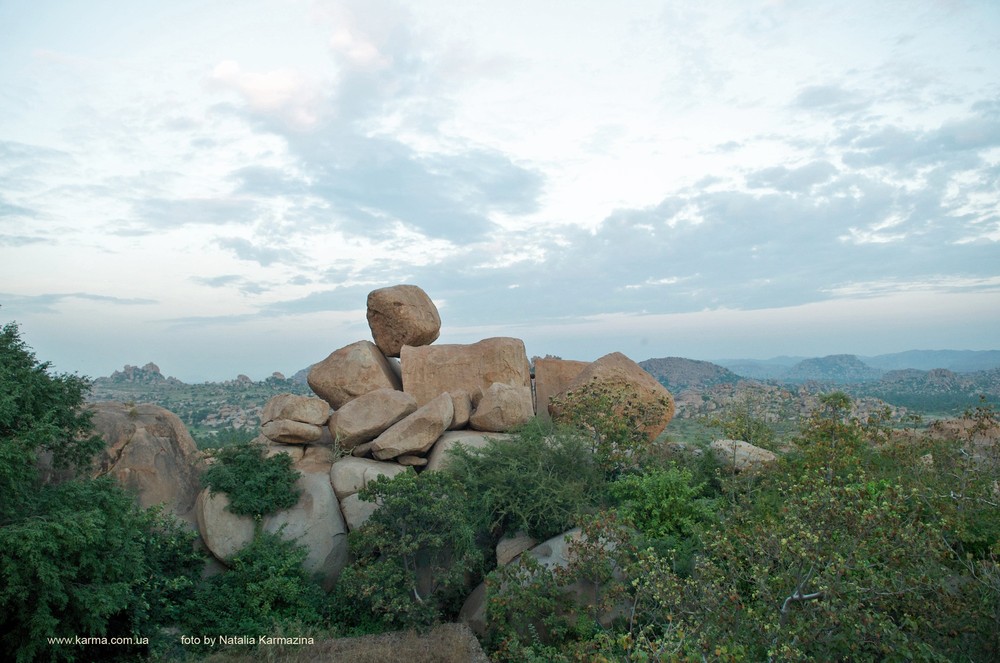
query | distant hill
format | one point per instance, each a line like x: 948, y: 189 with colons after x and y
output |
x: 959, y: 361
x: 678, y: 374
x: 838, y: 369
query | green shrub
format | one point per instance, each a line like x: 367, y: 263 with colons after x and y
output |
x: 264, y: 589
x: 539, y: 481
x: 256, y: 485
x: 413, y: 553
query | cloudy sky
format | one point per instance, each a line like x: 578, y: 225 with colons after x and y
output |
x: 216, y: 186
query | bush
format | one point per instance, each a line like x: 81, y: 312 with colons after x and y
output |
x: 413, y: 553
x: 264, y: 590
x: 538, y: 482
x: 256, y: 485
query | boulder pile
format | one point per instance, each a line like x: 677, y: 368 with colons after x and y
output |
x: 397, y: 405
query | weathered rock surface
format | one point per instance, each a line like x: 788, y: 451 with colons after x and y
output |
x: 223, y: 532
x: 402, y: 315
x: 352, y: 371
x: 510, y: 547
x: 617, y: 373
x: 150, y: 452
x: 502, y: 408
x: 741, y: 456
x: 368, y: 415
x: 287, y: 431
x: 349, y: 475
x: 431, y: 370
x: 416, y: 433
x: 438, y: 458
x: 553, y: 376
x: 356, y: 511
x: 411, y: 461
x: 297, y: 408
x: 462, y: 403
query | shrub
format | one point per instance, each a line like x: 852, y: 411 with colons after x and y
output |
x: 539, y: 481
x: 256, y: 485
x: 413, y: 553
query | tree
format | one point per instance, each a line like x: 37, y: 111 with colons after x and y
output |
x: 81, y: 558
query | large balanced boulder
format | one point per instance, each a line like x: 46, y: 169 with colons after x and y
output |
x: 416, y: 433
x: 223, y: 532
x: 616, y: 375
x: 502, y: 407
x: 349, y: 475
x: 352, y: 371
x: 150, y: 452
x: 364, y: 418
x: 287, y: 431
x: 402, y: 315
x: 553, y: 376
x: 431, y: 370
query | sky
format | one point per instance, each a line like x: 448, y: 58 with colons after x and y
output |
x: 217, y: 186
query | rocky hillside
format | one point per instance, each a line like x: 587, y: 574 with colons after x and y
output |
x: 837, y: 369
x: 678, y: 374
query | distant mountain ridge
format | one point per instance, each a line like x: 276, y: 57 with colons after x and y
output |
x: 852, y: 368
x: 679, y: 374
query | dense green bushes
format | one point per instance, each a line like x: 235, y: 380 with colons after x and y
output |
x: 256, y: 485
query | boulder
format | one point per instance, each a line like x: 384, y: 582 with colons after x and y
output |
x: 462, y: 403
x: 352, y: 371
x: 348, y: 475
x: 362, y: 450
x: 149, y: 452
x: 510, y: 547
x: 431, y: 370
x: 438, y: 457
x: 416, y: 433
x: 740, y: 456
x: 365, y: 417
x: 297, y: 408
x: 223, y: 532
x: 502, y: 408
x: 411, y: 461
x: 356, y: 511
x: 287, y: 431
x: 553, y: 376
x: 616, y: 373
x: 402, y: 315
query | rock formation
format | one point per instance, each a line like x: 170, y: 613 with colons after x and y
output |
x: 402, y: 315
x: 740, y: 456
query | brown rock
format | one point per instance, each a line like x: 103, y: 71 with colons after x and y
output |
x: 411, y: 461
x: 552, y: 376
x: 614, y: 373
x: 349, y: 475
x: 438, y: 458
x: 287, y: 431
x: 510, y: 547
x: 351, y: 371
x: 502, y: 408
x: 402, y: 315
x: 148, y: 451
x: 416, y: 433
x: 741, y: 456
x: 462, y: 403
x: 297, y: 408
x: 431, y: 370
x: 368, y: 415
x: 223, y: 532
x: 356, y: 511
x: 362, y: 450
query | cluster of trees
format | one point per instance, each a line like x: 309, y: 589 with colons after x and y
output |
x: 851, y: 547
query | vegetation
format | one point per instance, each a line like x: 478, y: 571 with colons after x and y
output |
x: 79, y: 559
x: 256, y: 484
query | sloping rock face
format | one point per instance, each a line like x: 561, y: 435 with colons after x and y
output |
x: 415, y: 434
x: 349, y: 475
x: 438, y: 458
x: 223, y: 532
x: 502, y: 408
x: 352, y: 371
x: 431, y: 370
x: 367, y: 416
x: 553, y: 376
x: 617, y: 373
x: 741, y: 456
x: 402, y: 315
x: 150, y: 452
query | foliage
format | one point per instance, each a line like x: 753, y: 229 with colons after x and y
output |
x: 740, y: 421
x: 413, y: 553
x: 664, y: 502
x: 80, y: 558
x: 256, y: 484
x: 39, y: 412
x: 616, y: 420
x: 538, y: 482
x: 264, y: 590
x: 225, y: 437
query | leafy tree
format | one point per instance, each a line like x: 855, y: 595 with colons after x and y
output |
x: 741, y: 421
x: 79, y: 559
x: 538, y: 482
x: 615, y: 419
x: 256, y: 484
x: 413, y: 553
